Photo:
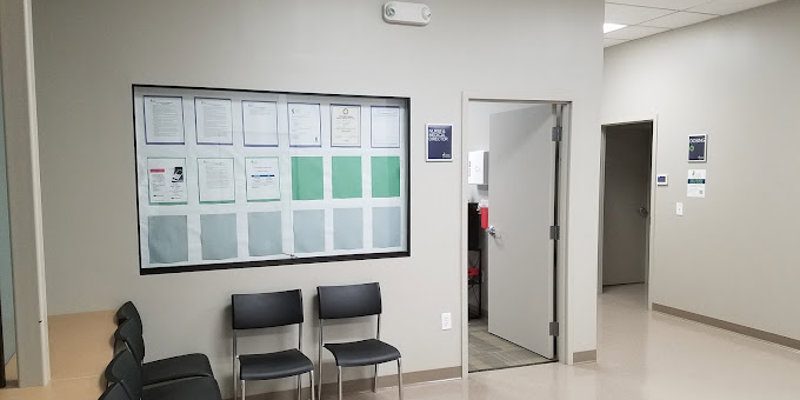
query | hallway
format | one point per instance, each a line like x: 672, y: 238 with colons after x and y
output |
x: 643, y: 355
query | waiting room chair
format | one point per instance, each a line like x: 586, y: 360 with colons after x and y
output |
x: 270, y: 310
x: 115, y: 391
x: 125, y: 370
x: 352, y: 301
x: 129, y: 333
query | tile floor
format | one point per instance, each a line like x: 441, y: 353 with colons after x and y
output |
x: 642, y: 355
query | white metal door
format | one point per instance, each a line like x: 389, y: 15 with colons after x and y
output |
x: 521, y: 211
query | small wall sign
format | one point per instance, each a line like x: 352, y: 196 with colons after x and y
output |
x: 698, y: 147
x: 439, y: 138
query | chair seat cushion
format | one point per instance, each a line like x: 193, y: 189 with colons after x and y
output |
x: 173, y: 368
x: 273, y: 365
x: 364, y: 352
x: 202, y: 388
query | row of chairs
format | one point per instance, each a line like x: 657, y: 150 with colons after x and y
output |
x: 277, y: 309
x: 190, y: 377
x: 184, y: 377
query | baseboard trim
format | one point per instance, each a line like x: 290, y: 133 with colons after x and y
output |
x: 365, y: 384
x: 584, y: 356
x: 729, y: 326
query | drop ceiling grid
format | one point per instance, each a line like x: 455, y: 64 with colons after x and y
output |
x: 648, y: 17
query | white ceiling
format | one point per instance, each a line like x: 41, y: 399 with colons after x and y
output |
x: 649, y: 17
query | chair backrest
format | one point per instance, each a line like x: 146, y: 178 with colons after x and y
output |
x: 130, y: 333
x: 349, y: 301
x: 116, y: 392
x: 124, y: 367
x: 267, y: 310
x: 126, y: 312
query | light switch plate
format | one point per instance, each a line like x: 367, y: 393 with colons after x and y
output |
x: 679, y: 208
x: 447, y: 321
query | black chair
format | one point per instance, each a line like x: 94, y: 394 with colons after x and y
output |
x: 116, y: 392
x: 338, y: 302
x: 269, y: 310
x: 124, y: 370
x: 129, y: 334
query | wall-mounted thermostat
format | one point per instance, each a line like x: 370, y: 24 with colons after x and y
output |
x: 662, y: 179
x: 401, y: 12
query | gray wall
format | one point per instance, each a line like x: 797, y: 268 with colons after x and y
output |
x: 89, y: 52
x: 6, y: 274
x: 733, y: 255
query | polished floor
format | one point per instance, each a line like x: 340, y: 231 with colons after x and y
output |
x: 642, y: 356
x: 488, y: 352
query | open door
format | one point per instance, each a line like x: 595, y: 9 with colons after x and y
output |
x: 522, y: 178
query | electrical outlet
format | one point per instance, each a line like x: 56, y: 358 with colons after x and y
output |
x: 447, y: 321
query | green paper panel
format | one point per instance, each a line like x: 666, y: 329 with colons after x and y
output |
x: 306, y: 178
x: 346, y: 176
x: 385, y: 176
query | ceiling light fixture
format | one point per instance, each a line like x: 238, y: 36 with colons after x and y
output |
x: 609, y: 27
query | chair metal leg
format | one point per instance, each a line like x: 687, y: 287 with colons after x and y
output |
x: 375, y: 380
x: 311, y: 383
x: 400, y: 379
x: 340, y: 382
x: 319, y: 392
x: 299, y: 387
x: 243, y: 397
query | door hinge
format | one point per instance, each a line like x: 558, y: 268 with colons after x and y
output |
x: 555, y: 232
x: 554, y: 328
x: 557, y: 133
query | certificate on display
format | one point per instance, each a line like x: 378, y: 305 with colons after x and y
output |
x: 385, y: 126
x: 260, y: 123
x: 214, y: 118
x: 345, y: 125
x: 263, y: 179
x: 163, y: 120
x: 305, y: 125
x: 216, y: 180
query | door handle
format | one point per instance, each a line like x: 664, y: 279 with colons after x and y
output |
x: 491, y: 230
x: 643, y: 211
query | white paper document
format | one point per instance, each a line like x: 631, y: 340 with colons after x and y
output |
x: 345, y: 126
x: 260, y: 120
x: 166, y: 180
x: 214, y: 121
x: 163, y: 119
x: 305, y: 127
x: 215, y: 180
x: 385, y: 126
x: 696, y: 185
x: 263, y: 179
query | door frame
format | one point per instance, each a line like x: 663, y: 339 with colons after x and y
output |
x: 648, y: 275
x: 560, y: 291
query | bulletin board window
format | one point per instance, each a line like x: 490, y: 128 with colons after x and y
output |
x: 230, y: 178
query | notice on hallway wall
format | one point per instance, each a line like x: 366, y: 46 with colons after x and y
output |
x: 696, y: 185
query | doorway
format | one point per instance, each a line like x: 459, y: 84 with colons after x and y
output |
x: 512, y: 252
x: 8, y: 340
x: 626, y: 204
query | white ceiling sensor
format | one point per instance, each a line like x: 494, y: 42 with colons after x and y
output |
x: 609, y: 27
x: 404, y: 13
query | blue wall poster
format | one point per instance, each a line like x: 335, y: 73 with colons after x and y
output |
x: 697, y: 147
x: 440, y: 142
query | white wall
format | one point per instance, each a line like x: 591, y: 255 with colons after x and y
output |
x: 733, y: 255
x: 91, y: 51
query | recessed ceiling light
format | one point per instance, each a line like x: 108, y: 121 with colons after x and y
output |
x: 609, y: 27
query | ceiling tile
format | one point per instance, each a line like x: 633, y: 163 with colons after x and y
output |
x: 679, y: 19
x: 612, y: 42
x: 668, y: 4
x: 634, y: 32
x: 722, y: 7
x: 632, y: 15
